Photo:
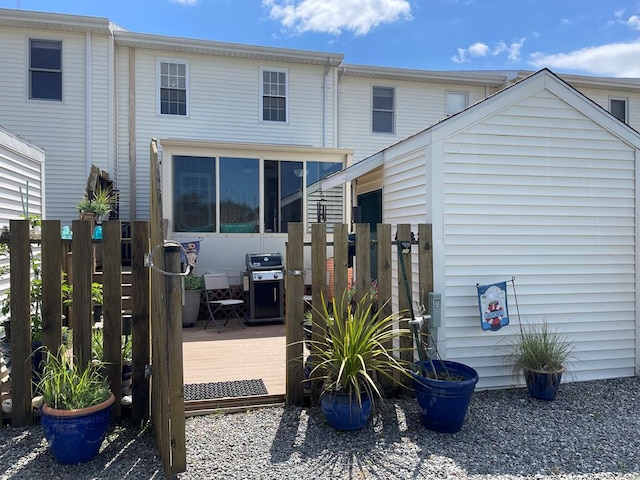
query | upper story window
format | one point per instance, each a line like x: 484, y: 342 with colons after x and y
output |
x: 456, y: 101
x: 382, y: 114
x: 173, y: 76
x: 45, y: 69
x: 618, y: 108
x: 273, y: 95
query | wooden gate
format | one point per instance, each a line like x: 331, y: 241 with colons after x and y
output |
x: 167, y: 396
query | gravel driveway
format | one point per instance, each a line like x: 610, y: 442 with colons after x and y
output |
x: 592, y: 430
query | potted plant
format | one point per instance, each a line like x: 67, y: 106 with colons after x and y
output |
x: 191, y: 308
x: 348, y: 355
x: 76, y: 408
x: 443, y: 388
x: 541, y: 354
x: 96, y: 204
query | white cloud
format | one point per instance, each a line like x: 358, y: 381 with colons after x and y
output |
x: 479, y: 49
x: 634, y: 22
x: 615, y: 59
x: 334, y: 16
x: 185, y: 2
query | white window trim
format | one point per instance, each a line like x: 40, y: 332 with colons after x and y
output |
x: 394, y: 112
x: 261, y: 96
x: 28, y: 69
x: 160, y: 61
x: 626, y: 107
x: 446, y: 101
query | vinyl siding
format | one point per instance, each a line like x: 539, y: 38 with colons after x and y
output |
x: 224, y: 105
x: 122, y: 149
x: 417, y: 106
x: 601, y: 97
x: 540, y: 192
x: 101, y: 100
x: 20, y: 163
x: 58, y: 127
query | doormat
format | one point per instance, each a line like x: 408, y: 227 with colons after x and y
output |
x: 234, y: 388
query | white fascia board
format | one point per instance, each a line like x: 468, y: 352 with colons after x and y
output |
x: 55, y: 21
x: 208, y: 47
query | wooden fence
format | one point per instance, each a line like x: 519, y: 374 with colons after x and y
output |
x: 420, y: 246
x: 80, y: 271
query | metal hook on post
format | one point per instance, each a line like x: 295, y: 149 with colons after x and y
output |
x: 148, y: 259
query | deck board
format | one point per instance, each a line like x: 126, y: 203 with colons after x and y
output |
x: 235, y: 354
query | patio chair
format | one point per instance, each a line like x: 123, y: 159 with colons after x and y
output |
x: 220, y: 299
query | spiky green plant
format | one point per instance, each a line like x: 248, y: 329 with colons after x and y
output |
x: 64, y: 386
x: 353, y: 349
x: 537, y: 347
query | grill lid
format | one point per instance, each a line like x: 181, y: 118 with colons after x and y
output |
x: 263, y: 261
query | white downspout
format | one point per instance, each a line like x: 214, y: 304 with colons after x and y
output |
x: 88, y: 91
x: 324, y: 103
x: 335, y: 108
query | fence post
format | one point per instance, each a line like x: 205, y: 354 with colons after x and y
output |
x: 112, y: 314
x: 82, y: 269
x: 20, y: 266
x: 140, y: 328
x: 294, y: 312
x: 51, y: 285
x: 175, y: 359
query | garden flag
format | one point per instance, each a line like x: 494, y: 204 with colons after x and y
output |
x: 492, y: 300
x: 190, y: 253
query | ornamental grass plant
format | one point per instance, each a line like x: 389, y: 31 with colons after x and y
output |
x: 65, y: 386
x: 538, y: 347
x: 355, y: 348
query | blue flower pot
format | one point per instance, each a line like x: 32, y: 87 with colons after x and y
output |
x: 543, y: 385
x: 344, y: 412
x: 444, y: 404
x: 75, y: 436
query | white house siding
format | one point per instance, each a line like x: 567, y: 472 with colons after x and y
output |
x: 417, y: 105
x: 101, y: 104
x: 20, y: 162
x: 224, y: 105
x: 122, y: 128
x: 540, y: 192
x: 58, y: 127
x: 601, y: 97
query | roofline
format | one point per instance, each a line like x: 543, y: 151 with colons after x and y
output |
x: 587, y: 81
x: 10, y: 17
x: 210, y: 47
x: 470, y: 77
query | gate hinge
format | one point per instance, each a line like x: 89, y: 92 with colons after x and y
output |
x: 296, y: 272
x: 147, y: 371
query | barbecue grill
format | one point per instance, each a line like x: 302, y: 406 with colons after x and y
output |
x: 265, y: 274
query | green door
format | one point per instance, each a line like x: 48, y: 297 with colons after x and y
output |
x: 370, y: 207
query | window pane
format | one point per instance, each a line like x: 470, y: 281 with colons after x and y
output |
x: 383, y: 98
x: 46, y: 55
x: 619, y: 109
x: 194, y: 194
x: 383, y: 122
x: 173, y: 88
x: 239, y: 195
x: 46, y: 85
x: 456, y: 102
x: 282, y: 194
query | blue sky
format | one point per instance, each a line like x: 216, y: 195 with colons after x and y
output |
x: 594, y: 37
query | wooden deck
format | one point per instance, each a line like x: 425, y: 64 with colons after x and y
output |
x: 255, y: 352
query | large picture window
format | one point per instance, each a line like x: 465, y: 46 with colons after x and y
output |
x: 223, y: 194
x: 45, y: 70
x: 194, y: 198
x: 239, y: 195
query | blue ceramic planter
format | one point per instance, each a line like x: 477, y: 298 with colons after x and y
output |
x: 343, y: 412
x: 444, y: 404
x: 543, y: 385
x: 75, y: 436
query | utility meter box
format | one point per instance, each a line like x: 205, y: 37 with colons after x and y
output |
x: 435, y: 308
